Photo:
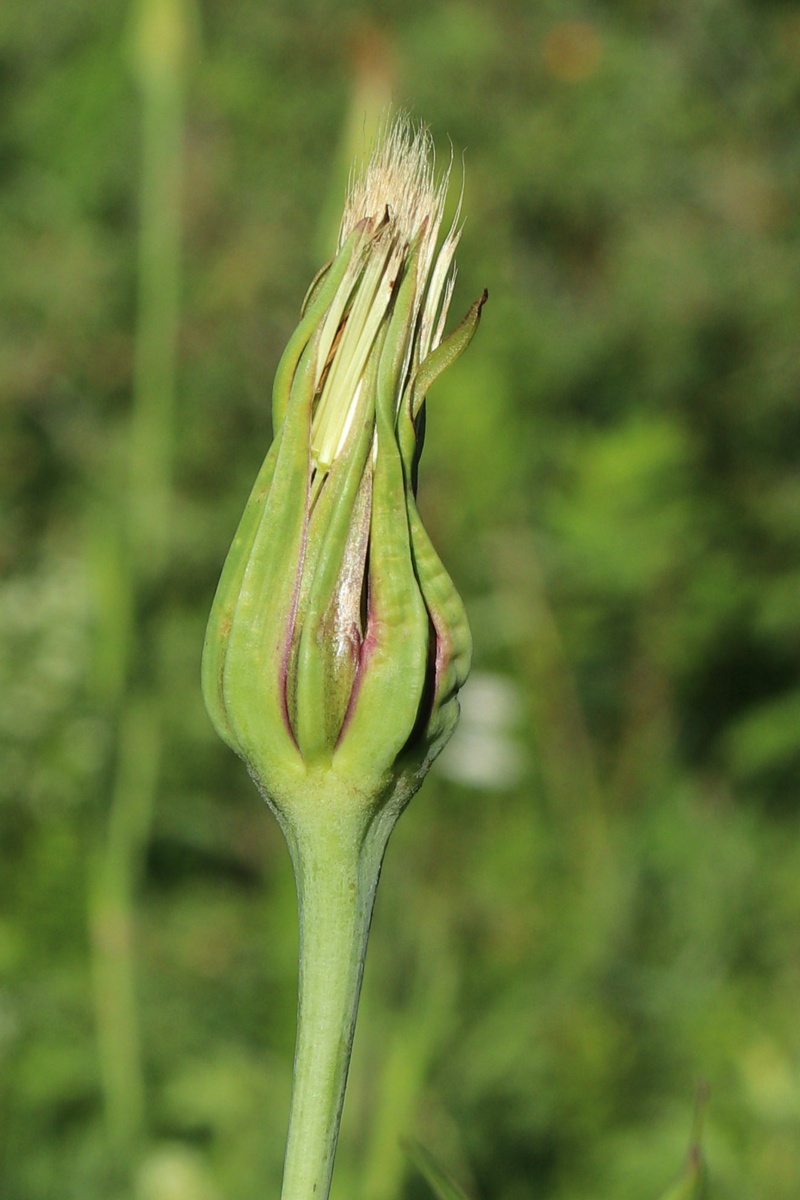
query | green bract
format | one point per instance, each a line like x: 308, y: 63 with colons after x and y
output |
x: 337, y: 642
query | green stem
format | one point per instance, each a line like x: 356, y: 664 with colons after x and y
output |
x: 114, y: 878
x: 129, y: 557
x: 161, y: 33
x: 337, y: 866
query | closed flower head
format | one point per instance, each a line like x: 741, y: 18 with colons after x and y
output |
x: 337, y: 642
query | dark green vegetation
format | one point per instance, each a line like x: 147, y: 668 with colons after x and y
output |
x: 610, y: 475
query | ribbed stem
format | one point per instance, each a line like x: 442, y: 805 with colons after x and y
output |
x: 337, y: 865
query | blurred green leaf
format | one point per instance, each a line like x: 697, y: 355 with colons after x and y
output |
x: 692, y: 1186
x: 440, y: 1182
x: 693, y: 1182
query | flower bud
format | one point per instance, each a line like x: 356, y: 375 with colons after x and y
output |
x: 337, y: 641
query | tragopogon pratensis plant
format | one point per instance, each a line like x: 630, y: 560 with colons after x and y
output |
x: 337, y: 642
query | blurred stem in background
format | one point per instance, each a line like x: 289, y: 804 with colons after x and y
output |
x: 372, y: 71
x: 159, y: 39
x: 130, y: 541
x: 408, y: 1048
x: 115, y: 874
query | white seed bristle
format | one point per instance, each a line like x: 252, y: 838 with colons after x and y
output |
x: 396, y: 202
x: 399, y: 183
x: 399, y: 176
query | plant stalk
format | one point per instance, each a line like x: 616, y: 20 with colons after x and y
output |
x: 132, y: 553
x: 337, y: 867
x: 114, y: 877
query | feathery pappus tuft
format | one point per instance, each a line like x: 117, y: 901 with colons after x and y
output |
x: 398, y: 176
x: 394, y: 209
x: 399, y: 184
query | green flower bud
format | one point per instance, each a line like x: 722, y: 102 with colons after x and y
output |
x: 337, y: 642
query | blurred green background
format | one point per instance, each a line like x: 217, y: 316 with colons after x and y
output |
x: 594, y: 903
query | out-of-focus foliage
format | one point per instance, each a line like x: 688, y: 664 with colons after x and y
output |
x: 611, y: 477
